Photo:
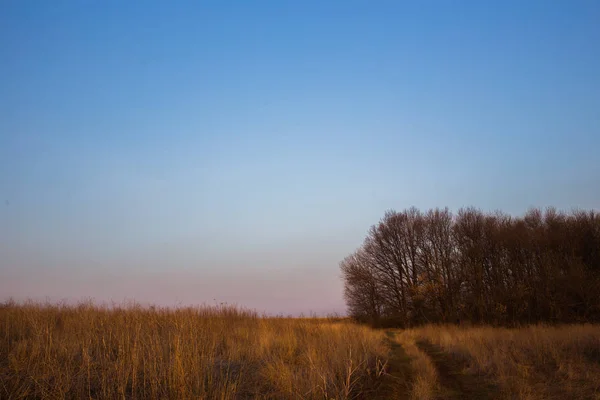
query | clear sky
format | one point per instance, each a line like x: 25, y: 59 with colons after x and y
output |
x: 178, y: 152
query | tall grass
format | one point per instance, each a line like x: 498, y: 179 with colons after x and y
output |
x: 536, y: 362
x: 87, y: 351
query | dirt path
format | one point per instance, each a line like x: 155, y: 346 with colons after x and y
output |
x: 454, y: 382
x: 396, y: 384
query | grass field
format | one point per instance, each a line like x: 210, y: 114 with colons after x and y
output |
x: 536, y: 362
x: 60, y: 352
x: 56, y: 352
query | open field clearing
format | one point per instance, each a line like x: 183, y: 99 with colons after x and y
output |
x: 537, y: 362
x: 56, y: 352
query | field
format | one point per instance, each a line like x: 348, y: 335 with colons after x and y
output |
x: 55, y: 352
x: 536, y: 362
x: 86, y: 351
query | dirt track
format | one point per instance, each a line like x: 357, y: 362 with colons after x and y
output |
x: 454, y: 380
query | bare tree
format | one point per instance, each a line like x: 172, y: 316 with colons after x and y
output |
x: 418, y: 267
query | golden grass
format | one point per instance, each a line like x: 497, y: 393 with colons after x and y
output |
x: 87, y: 351
x: 537, y: 362
x: 57, y: 351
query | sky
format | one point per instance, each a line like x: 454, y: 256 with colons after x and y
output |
x: 199, y: 152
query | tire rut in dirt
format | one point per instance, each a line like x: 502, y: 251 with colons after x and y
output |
x: 396, y: 384
x: 455, y: 382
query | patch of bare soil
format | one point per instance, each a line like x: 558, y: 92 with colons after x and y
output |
x: 455, y: 382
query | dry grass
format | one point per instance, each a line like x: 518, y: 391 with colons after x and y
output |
x: 424, y: 374
x: 537, y: 362
x: 56, y: 352
x: 53, y: 351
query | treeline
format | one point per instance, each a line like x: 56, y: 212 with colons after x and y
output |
x: 417, y: 267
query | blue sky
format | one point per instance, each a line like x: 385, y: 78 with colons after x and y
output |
x: 180, y: 152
